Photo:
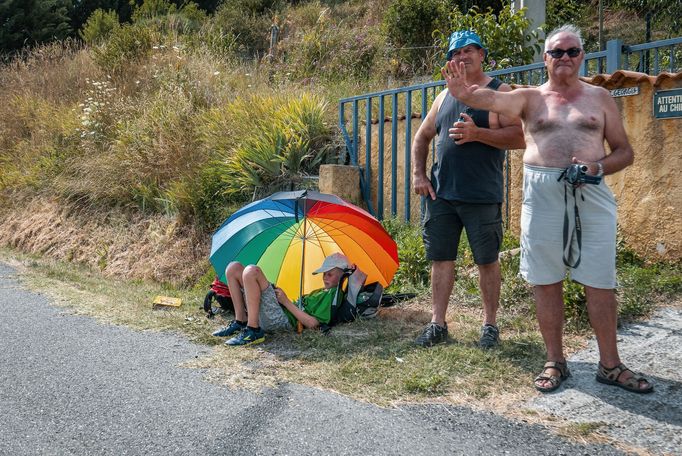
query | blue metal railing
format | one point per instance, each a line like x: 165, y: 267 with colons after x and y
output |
x: 651, y: 58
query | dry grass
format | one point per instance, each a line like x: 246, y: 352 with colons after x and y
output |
x: 112, y: 243
x: 373, y: 361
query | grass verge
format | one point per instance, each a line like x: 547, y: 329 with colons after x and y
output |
x: 372, y: 360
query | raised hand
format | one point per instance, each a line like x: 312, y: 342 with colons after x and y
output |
x: 455, y: 77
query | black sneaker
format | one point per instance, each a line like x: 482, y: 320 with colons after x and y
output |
x: 433, y: 334
x: 231, y: 329
x: 249, y: 336
x: 490, y: 336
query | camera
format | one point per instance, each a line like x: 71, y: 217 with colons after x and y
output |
x: 576, y: 175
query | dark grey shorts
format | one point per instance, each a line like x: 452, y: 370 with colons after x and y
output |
x: 444, y: 220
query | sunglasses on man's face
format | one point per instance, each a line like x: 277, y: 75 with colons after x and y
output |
x: 558, y: 53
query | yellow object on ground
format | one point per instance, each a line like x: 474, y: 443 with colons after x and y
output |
x: 161, y: 302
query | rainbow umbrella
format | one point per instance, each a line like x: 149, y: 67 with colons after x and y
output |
x: 288, y: 235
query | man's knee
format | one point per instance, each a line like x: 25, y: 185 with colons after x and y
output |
x: 597, y: 296
x: 550, y: 293
x: 556, y: 286
x: 442, y: 266
x: 488, y: 267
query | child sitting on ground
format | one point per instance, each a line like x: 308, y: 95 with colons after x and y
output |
x: 259, y: 306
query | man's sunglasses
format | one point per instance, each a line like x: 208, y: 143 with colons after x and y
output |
x: 558, y: 53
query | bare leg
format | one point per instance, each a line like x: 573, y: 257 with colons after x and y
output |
x: 233, y: 274
x: 254, y: 282
x: 549, y: 303
x: 489, y: 280
x: 442, y: 281
x: 602, y: 308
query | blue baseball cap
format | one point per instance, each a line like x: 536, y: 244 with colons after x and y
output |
x: 463, y: 38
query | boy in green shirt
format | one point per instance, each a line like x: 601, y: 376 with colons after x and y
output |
x: 259, y: 306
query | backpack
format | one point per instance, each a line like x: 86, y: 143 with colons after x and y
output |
x: 221, y: 293
x: 358, y: 301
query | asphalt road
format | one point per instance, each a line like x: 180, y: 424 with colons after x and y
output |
x: 72, y: 386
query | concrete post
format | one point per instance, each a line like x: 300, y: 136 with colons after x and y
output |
x: 342, y: 181
x: 613, y: 55
x: 535, y: 12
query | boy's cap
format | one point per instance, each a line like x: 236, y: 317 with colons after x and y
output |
x: 463, y: 38
x: 335, y: 260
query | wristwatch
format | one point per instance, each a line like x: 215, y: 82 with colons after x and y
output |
x: 600, y: 169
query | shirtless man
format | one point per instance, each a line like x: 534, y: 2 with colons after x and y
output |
x: 566, y: 121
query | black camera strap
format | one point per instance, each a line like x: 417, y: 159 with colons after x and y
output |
x: 568, y: 237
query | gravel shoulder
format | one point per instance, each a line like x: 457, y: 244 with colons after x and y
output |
x: 647, y: 423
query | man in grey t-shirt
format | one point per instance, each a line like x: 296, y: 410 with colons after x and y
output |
x: 464, y: 190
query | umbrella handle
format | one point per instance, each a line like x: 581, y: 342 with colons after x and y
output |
x: 299, y: 327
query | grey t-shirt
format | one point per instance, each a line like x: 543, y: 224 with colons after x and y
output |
x: 471, y: 172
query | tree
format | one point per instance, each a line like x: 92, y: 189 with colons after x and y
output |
x: 31, y: 22
x: 503, y: 34
x: 409, y: 25
x: 83, y: 9
x: 666, y: 13
x: 99, y: 26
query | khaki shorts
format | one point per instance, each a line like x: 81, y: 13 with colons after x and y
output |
x: 542, y: 226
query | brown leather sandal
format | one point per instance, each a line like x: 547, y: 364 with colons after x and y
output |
x: 611, y: 376
x: 554, y: 380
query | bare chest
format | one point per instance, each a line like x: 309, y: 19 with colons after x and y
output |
x: 555, y: 114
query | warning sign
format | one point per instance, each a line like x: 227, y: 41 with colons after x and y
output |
x: 668, y: 104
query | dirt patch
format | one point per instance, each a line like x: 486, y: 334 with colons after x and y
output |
x: 129, y: 246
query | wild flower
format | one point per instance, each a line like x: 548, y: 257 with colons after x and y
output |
x: 95, y: 117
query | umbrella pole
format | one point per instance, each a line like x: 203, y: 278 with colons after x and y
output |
x: 299, y: 325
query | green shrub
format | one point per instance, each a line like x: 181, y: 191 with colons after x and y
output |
x: 516, y: 295
x: 560, y: 12
x: 625, y: 256
x: 249, y: 22
x: 150, y: 9
x: 167, y: 17
x: 503, y: 34
x: 665, y: 14
x: 409, y: 26
x: 126, y: 45
x: 156, y: 150
x: 575, y: 305
x: 137, y: 153
x: 641, y: 287
x: 216, y: 40
x: 99, y: 26
x: 37, y: 139
x: 331, y: 50
x: 414, y: 272
x: 266, y: 143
